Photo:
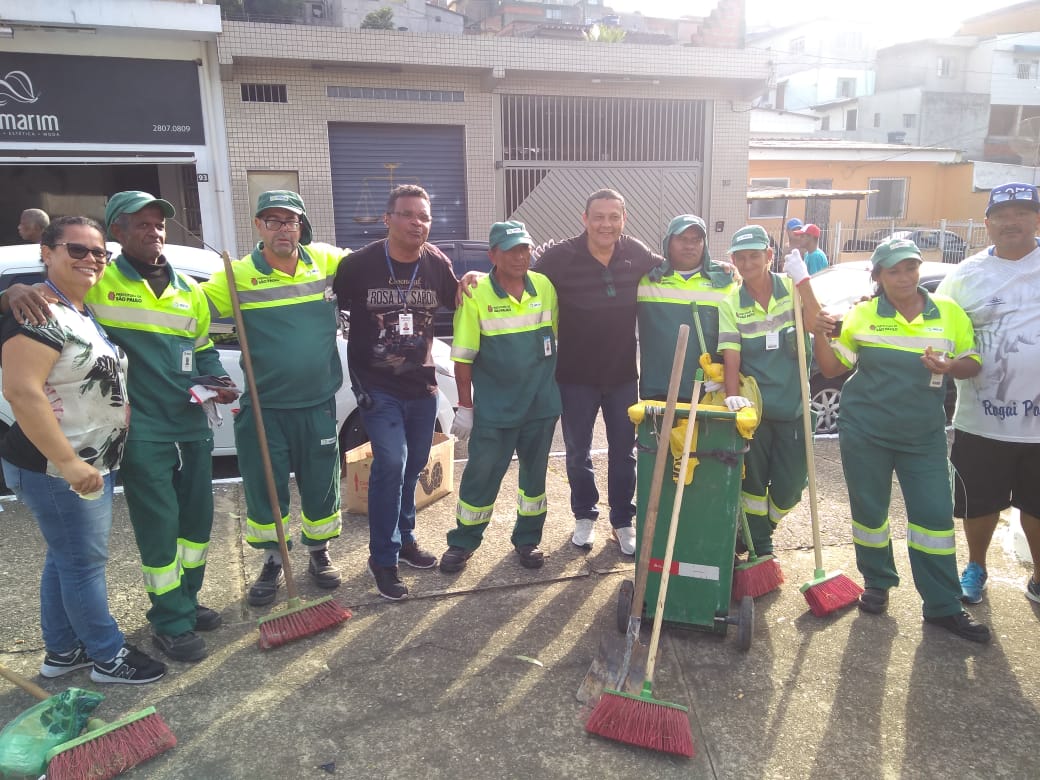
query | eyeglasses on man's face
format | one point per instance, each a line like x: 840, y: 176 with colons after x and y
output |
x: 79, y: 251
x: 409, y: 216
x: 271, y: 223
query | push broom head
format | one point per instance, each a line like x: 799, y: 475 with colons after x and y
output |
x: 757, y: 577
x: 828, y: 592
x: 642, y: 721
x: 112, y: 749
x: 298, y: 620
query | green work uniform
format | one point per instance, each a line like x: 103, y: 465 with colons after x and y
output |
x: 291, y: 323
x: 512, y: 346
x: 167, y: 465
x: 893, y: 419
x: 665, y: 303
x: 775, y: 466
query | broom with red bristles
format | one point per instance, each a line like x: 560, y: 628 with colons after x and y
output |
x: 826, y: 592
x: 642, y: 720
x: 108, y: 749
x: 760, y: 574
x: 297, y: 620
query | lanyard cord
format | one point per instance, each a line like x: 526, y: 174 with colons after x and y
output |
x: 406, y: 296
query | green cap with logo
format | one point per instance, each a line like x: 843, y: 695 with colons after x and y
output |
x: 130, y: 202
x: 506, y: 235
x: 749, y: 237
x: 892, y: 251
x: 290, y: 201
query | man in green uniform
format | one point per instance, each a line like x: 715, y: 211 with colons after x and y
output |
x: 688, y: 285
x: 160, y: 318
x: 504, y: 350
x: 285, y: 289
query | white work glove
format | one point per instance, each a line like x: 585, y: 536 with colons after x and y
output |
x: 737, y: 402
x: 794, y: 267
x: 713, y: 387
x: 463, y: 424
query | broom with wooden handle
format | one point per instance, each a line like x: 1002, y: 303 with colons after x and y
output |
x: 641, y: 719
x: 827, y: 591
x: 107, y: 749
x: 298, y: 619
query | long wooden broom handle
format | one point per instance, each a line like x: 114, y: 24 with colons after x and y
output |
x: 810, y: 460
x: 261, y: 431
x: 653, y: 503
x: 673, y: 527
x: 26, y: 685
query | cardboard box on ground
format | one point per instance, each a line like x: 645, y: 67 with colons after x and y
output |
x: 436, y: 480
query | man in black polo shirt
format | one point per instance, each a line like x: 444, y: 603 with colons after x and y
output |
x: 596, y: 276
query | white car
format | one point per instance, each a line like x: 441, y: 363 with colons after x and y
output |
x: 21, y: 263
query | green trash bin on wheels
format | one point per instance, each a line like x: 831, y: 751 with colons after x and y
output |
x: 701, y: 581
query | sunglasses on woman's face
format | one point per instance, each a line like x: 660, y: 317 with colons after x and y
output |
x: 79, y: 251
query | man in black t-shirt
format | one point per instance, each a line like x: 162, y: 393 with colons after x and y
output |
x: 392, y: 289
x: 596, y: 276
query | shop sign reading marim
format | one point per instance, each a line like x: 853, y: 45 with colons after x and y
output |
x: 53, y: 98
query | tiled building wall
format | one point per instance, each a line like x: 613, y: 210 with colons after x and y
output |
x: 294, y: 136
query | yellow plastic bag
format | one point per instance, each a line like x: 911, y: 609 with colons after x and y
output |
x: 677, y: 438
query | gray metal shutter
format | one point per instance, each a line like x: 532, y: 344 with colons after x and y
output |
x: 368, y: 160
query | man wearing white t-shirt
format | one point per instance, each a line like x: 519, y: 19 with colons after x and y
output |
x: 996, y: 445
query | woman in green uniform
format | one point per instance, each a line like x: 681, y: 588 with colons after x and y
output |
x: 903, y: 344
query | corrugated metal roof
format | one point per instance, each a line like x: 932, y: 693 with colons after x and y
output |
x: 789, y: 193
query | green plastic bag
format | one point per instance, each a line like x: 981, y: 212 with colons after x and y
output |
x: 24, y: 742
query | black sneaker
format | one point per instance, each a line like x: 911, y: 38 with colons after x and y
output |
x: 188, y: 647
x: 322, y: 571
x: 963, y: 625
x: 206, y: 619
x: 531, y: 556
x: 873, y: 600
x: 57, y: 664
x: 416, y: 557
x: 265, y: 588
x: 388, y: 581
x: 129, y: 666
x: 455, y: 559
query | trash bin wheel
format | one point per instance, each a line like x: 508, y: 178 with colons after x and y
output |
x: 745, y: 623
x: 624, y: 605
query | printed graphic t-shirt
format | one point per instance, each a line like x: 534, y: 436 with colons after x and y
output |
x: 392, y: 305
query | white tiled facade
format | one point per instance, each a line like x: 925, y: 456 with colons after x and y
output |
x: 294, y: 136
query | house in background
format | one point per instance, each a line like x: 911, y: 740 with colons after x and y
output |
x: 915, y: 186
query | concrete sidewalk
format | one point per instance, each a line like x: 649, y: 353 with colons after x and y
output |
x: 475, y: 676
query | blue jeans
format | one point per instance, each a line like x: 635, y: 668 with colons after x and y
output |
x: 581, y: 403
x: 73, y: 592
x: 401, y: 432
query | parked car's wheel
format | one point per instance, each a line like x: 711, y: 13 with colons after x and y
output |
x: 825, y: 399
x: 352, y: 434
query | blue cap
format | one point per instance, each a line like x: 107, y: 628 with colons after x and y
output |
x: 794, y: 223
x: 1013, y: 193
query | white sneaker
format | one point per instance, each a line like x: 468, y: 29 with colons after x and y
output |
x: 584, y: 533
x: 626, y: 539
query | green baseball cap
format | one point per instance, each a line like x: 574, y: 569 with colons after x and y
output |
x: 506, y: 235
x: 130, y: 202
x: 892, y: 251
x: 681, y: 224
x: 749, y: 237
x: 290, y: 201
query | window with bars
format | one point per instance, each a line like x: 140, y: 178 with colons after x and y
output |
x: 889, y: 202
x: 559, y: 128
x: 264, y: 93
x: 768, y: 209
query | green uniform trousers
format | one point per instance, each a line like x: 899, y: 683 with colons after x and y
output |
x: 302, y: 441
x: 775, y: 474
x: 490, y: 453
x: 169, y: 492
x: 924, y: 478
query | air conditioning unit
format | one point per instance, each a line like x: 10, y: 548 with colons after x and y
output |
x: 314, y: 12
